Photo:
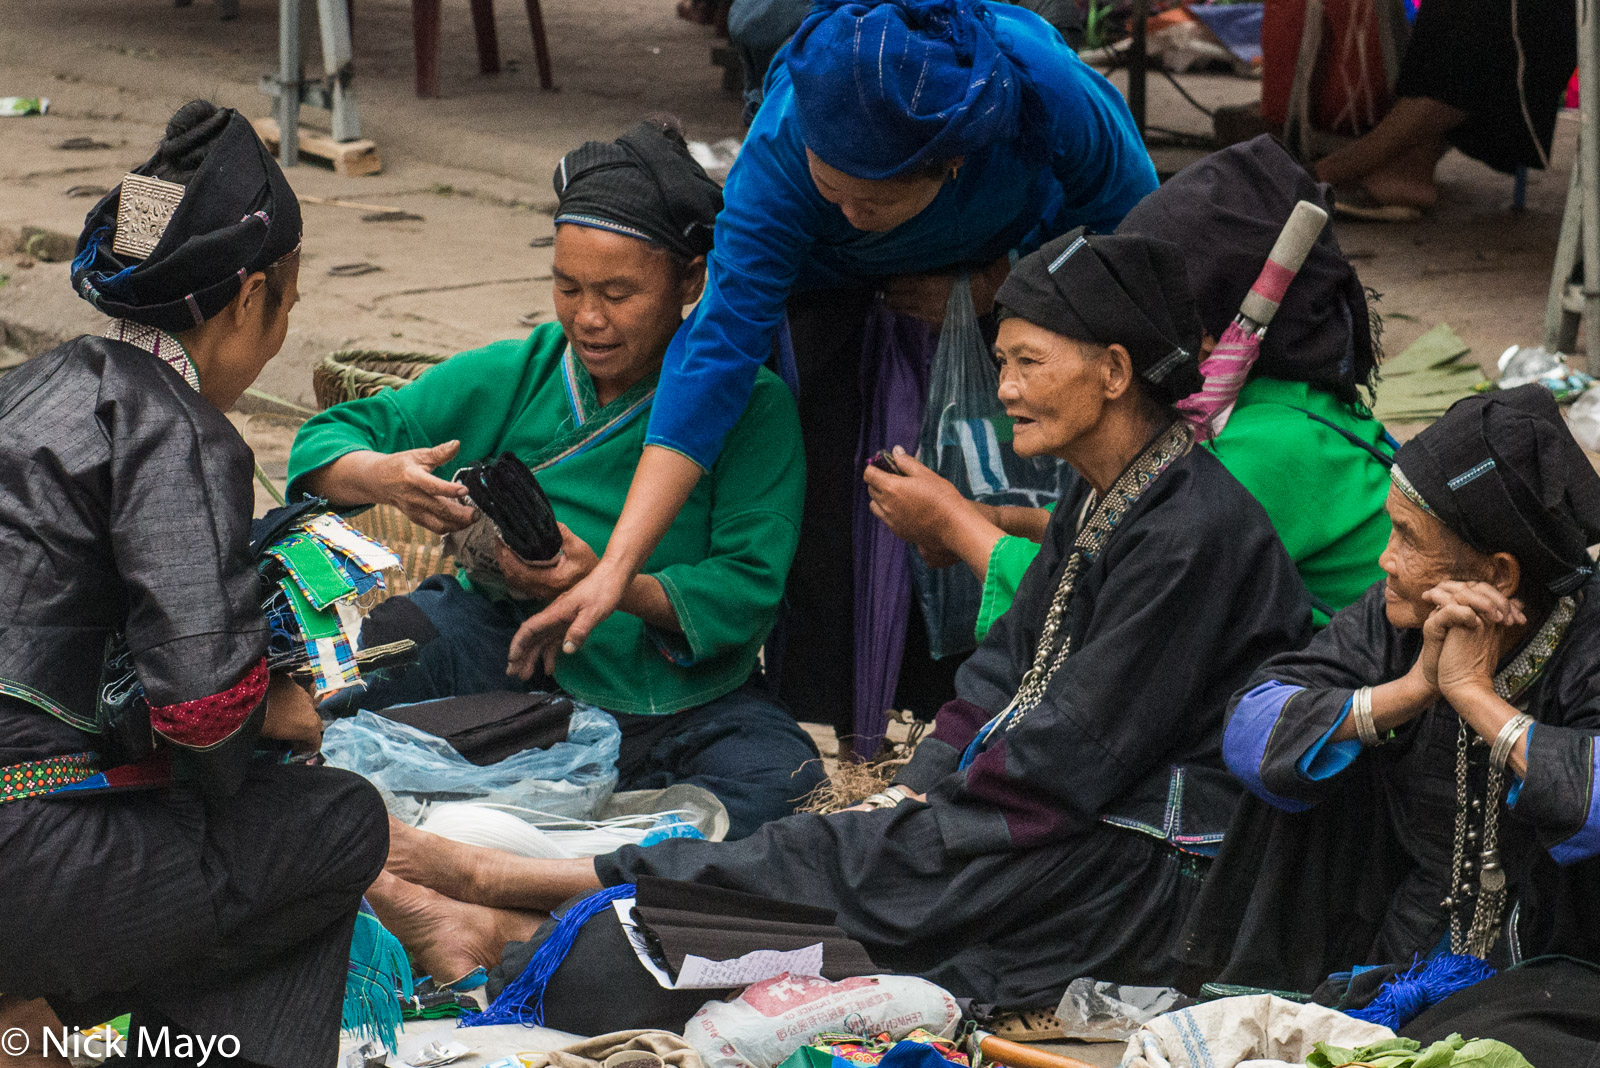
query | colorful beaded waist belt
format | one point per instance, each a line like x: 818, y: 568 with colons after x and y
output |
x: 35, y: 778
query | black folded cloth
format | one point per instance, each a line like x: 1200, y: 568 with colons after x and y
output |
x: 506, y: 491
x: 486, y: 728
x: 681, y: 919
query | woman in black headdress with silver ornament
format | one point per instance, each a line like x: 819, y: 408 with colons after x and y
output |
x: 1429, y: 763
x: 151, y: 860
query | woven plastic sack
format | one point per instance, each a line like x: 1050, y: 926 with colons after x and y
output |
x: 408, y: 766
x: 769, y: 1021
x: 966, y: 438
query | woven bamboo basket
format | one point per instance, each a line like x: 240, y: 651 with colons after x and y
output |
x: 351, y: 374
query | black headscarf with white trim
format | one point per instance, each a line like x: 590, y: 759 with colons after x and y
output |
x: 1503, y: 471
x: 1121, y: 289
x: 645, y: 184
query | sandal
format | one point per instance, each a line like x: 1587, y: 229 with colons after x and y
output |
x: 1354, y: 202
x: 1031, y: 1025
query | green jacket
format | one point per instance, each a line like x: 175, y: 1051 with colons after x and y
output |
x: 1323, y: 493
x: 724, y: 561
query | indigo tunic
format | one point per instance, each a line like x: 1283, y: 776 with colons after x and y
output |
x: 776, y: 234
x: 1075, y: 843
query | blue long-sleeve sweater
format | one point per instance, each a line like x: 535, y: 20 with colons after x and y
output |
x: 776, y: 233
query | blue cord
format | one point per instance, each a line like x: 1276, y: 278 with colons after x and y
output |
x: 512, y: 1006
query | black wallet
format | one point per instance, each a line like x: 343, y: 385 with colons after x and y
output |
x: 506, y: 491
x: 486, y: 728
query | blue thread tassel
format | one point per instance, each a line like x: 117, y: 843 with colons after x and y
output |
x: 1426, y: 984
x: 512, y: 1004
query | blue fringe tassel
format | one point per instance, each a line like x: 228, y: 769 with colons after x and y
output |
x: 1405, y: 996
x: 380, y: 975
x: 512, y: 1006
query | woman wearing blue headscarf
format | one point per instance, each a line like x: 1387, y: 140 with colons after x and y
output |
x: 896, y: 138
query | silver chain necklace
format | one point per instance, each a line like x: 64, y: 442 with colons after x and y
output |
x: 1510, y: 683
x: 1106, y: 512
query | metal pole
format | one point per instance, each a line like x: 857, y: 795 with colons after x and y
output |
x: 289, y: 74
x: 334, y: 19
x: 1589, y: 162
x: 1138, y: 61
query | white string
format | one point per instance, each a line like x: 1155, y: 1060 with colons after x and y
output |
x: 531, y: 833
x: 1522, y: 91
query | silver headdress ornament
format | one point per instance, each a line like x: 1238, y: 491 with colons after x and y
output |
x: 145, y: 207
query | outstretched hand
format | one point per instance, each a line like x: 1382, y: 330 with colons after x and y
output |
x: 566, y: 623
x: 406, y: 480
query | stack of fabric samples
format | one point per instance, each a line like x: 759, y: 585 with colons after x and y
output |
x: 314, y: 571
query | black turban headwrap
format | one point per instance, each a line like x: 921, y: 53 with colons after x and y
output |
x: 1227, y: 210
x: 1115, y: 289
x: 644, y: 184
x: 1502, y: 471
x: 237, y: 216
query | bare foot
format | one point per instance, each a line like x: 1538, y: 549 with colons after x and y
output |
x: 455, y: 870
x: 447, y: 939
x: 1398, y: 190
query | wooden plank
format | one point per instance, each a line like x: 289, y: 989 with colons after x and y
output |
x: 352, y: 159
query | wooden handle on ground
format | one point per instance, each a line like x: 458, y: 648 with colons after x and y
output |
x: 1017, y: 1055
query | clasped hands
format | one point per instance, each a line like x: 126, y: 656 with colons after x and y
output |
x: 1462, y: 642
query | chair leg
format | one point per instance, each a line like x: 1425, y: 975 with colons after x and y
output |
x: 426, y: 16
x: 483, y: 30
x: 541, y: 46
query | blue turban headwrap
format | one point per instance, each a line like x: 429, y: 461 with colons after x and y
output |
x: 883, y: 87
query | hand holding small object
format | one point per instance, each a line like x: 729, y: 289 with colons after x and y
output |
x: 547, y: 580
x: 291, y: 716
x: 915, y: 504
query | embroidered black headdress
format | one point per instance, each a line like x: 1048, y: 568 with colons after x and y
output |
x: 171, y: 254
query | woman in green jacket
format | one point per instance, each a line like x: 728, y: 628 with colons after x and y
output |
x: 1299, y: 439
x: 573, y: 401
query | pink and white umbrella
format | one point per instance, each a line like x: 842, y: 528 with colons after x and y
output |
x: 1229, y: 364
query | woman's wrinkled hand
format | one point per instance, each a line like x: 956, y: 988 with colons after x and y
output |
x: 565, y: 623
x: 546, y: 582
x: 1462, y: 636
x: 406, y: 480
x: 291, y: 715
x: 916, y: 504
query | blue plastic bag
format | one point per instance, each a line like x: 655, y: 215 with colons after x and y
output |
x: 572, y: 778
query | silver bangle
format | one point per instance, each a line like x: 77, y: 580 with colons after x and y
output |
x: 1361, y: 714
x: 1506, y: 740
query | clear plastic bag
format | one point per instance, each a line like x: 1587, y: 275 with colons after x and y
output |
x: 1108, y: 1012
x: 966, y: 438
x: 573, y: 778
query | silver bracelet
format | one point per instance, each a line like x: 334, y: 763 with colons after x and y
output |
x: 1361, y: 714
x: 887, y: 798
x: 1506, y: 740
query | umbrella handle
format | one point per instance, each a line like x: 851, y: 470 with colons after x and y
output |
x: 1017, y: 1055
x: 1294, y: 244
